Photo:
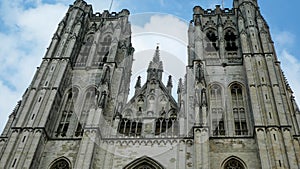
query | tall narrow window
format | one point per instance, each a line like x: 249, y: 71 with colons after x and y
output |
x: 67, y: 112
x: 103, y: 51
x: 230, y: 39
x: 211, y: 42
x: 217, y: 113
x: 89, y: 103
x: 84, y: 53
x: 238, y: 107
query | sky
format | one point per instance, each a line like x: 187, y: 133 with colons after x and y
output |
x: 27, y: 26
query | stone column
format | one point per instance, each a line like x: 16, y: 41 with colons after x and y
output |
x: 288, y: 142
x: 181, y: 155
x: 109, y: 158
x: 4, y: 161
x: 262, y: 147
x: 86, y: 150
x: 201, y: 137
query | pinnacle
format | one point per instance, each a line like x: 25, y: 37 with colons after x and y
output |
x: 156, y: 63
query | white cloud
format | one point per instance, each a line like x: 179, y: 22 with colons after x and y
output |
x: 171, y: 34
x: 284, y: 38
x: 291, y: 67
x: 30, y: 25
x: 290, y: 64
x: 23, y: 46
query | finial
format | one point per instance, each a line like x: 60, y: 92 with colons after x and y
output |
x: 138, y: 83
x: 222, y: 4
x: 179, y: 89
x: 170, y: 84
x: 156, y: 55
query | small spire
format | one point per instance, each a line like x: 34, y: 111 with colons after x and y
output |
x: 219, y: 22
x: 138, y: 83
x: 155, y: 68
x: 170, y: 84
x: 156, y: 57
x: 156, y: 63
x: 179, y: 89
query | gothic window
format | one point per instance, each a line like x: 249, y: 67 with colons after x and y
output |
x: 233, y: 164
x: 103, y: 51
x: 82, y: 58
x: 89, y: 103
x: 238, y: 107
x: 145, y: 166
x: 130, y: 127
x: 60, y: 164
x: 217, y: 113
x: 211, y: 42
x: 162, y: 125
x: 144, y: 163
x: 67, y: 113
x: 230, y: 41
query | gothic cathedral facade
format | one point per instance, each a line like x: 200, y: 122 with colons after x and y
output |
x: 234, y: 109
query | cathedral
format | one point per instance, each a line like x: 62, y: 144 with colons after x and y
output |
x: 234, y: 108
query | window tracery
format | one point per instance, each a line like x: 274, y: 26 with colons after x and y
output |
x: 233, y: 164
x: 83, y: 56
x: 217, y: 112
x: 89, y: 103
x: 130, y: 127
x: 230, y: 39
x: 67, y: 112
x: 211, y: 42
x: 60, y: 164
x: 145, y: 166
x: 238, y: 107
x: 103, y: 52
x: 144, y: 163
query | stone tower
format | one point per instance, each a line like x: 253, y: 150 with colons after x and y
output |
x: 234, y: 109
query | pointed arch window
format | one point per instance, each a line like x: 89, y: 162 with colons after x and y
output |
x: 145, y: 166
x: 217, y: 112
x: 238, y: 108
x: 89, y: 102
x: 60, y: 164
x: 211, y: 41
x: 144, y: 163
x: 83, y: 56
x: 67, y: 113
x: 230, y: 41
x: 233, y: 164
x: 103, y: 52
x: 130, y: 127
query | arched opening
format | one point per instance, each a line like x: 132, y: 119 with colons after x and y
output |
x: 238, y: 109
x: 144, y: 163
x: 211, y: 42
x: 233, y: 163
x: 85, y: 50
x: 230, y: 39
x: 103, y: 51
x: 217, y: 112
x: 60, y: 164
x: 67, y: 112
x: 89, y: 103
x: 128, y: 125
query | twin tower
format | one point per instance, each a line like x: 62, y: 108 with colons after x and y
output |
x: 234, y: 109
